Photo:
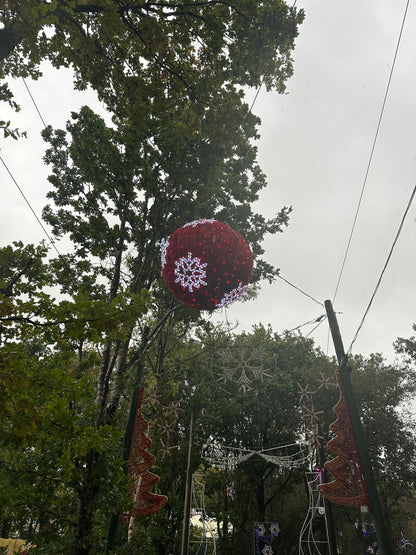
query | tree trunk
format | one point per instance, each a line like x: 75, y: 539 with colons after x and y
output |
x: 87, y: 499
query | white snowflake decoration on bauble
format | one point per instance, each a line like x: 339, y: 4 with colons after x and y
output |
x: 190, y: 272
x: 201, y: 221
x: 232, y: 296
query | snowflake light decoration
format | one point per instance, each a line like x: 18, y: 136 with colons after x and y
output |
x: 264, y: 540
x: 242, y: 365
x: 233, y: 296
x: 206, y: 264
x: 274, y: 528
x: 261, y: 528
x: 190, y: 272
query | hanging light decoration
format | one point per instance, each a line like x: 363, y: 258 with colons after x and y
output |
x: 206, y: 264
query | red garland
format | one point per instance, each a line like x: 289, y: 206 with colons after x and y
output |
x: 206, y: 264
x: 142, y: 481
x: 348, y: 488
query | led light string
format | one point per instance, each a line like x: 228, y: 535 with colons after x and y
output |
x: 384, y: 268
x: 371, y: 155
x: 226, y: 457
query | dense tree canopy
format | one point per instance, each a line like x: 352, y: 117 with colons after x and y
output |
x: 142, y: 57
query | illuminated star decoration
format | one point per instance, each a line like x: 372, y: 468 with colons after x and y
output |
x: 166, y: 429
x: 166, y: 449
x: 174, y: 408
x: 307, y: 401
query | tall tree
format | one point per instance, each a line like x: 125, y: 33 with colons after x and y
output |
x: 140, y: 55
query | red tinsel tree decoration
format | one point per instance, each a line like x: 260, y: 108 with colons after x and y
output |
x: 349, y: 486
x: 206, y: 264
x: 140, y: 460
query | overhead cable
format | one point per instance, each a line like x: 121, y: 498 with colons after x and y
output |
x: 30, y: 207
x: 315, y: 327
x: 301, y: 291
x: 34, y: 102
x: 255, y: 97
x: 313, y: 321
x: 371, y: 154
x: 384, y: 269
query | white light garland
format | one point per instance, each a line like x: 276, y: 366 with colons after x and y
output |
x: 201, y: 221
x: 227, y: 458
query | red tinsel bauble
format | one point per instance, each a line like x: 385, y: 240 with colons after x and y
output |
x: 206, y: 264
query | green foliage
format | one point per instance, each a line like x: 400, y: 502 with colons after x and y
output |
x: 407, y: 348
x: 265, y: 416
x: 143, y: 56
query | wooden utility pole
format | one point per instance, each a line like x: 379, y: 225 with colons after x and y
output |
x: 380, y: 524
x: 188, y: 491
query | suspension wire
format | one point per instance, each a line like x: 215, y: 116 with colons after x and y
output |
x: 371, y: 154
x: 301, y: 290
x: 34, y: 102
x: 313, y: 321
x: 384, y: 269
x: 255, y: 97
x: 51, y: 240
x: 317, y: 326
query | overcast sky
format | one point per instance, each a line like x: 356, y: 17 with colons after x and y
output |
x: 315, y: 147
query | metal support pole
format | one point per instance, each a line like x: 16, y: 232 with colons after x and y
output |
x: 187, y: 508
x: 329, y: 517
x: 382, y: 531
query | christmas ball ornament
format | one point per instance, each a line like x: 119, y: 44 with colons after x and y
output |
x: 206, y: 264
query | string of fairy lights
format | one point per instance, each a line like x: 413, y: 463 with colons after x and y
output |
x: 322, y: 317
